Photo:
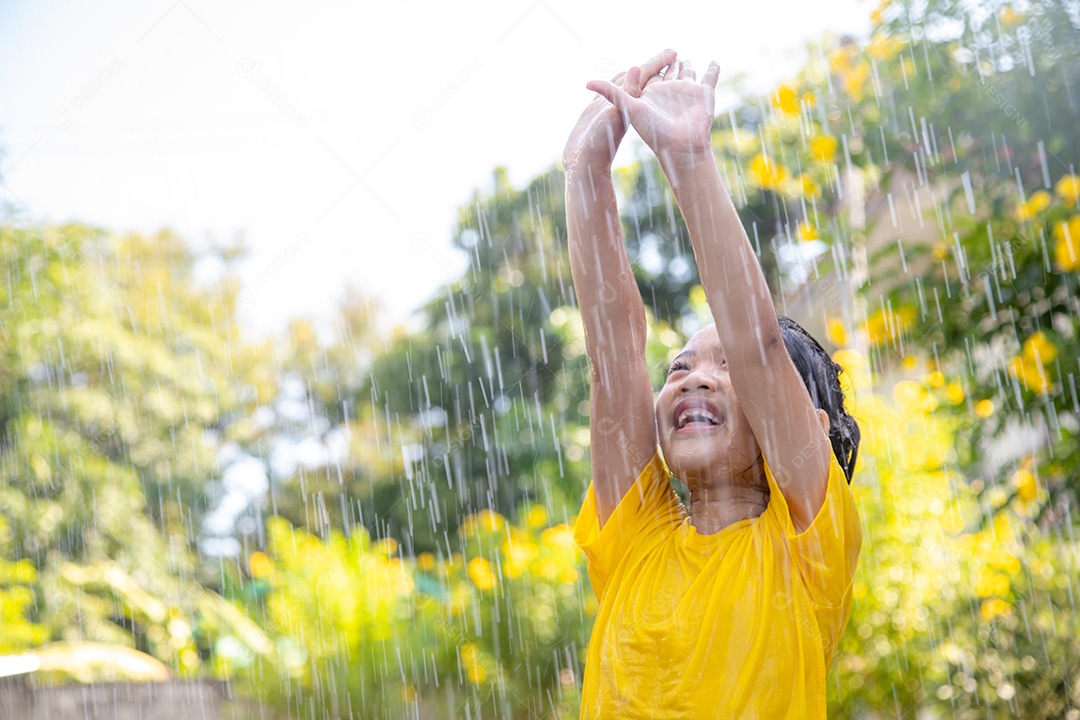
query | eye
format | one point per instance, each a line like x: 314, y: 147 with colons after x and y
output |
x: 676, y: 366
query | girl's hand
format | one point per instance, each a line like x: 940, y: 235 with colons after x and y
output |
x: 673, y: 113
x: 601, y: 127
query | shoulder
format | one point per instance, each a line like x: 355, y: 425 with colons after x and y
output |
x: 649, y: 511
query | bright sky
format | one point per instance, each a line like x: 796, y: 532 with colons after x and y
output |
x: 338, y: 138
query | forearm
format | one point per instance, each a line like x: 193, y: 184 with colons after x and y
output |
x: 622, y: 423
x: 611, y: 307
x: 734, y: 284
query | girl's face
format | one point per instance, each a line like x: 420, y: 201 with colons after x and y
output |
x: 702, y: 429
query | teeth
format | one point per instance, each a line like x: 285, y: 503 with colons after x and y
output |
x: 685, y: 415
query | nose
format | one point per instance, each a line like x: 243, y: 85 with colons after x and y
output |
x: 696, y: 380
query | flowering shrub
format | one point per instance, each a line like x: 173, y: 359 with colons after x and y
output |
x: 496, y: 628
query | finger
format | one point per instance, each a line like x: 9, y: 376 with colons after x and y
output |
x: 613, y: 93
x: 655, y: 64
x: 686, y: 72
x: 618, y: 79
x: 673, y: 71
x: 711, y: 75
x: 633, y: 81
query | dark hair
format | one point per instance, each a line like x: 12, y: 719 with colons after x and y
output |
x: 822, y: 378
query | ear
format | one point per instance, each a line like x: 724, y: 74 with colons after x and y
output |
x: 824, y: 418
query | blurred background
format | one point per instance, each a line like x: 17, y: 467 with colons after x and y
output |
x: 293, y: 394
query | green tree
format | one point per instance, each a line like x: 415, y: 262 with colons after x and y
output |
x: 969, y: 106
x: 487, y: 392
x: 118, y: 373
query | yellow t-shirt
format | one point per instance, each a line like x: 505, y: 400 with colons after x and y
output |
x: 739, y: 624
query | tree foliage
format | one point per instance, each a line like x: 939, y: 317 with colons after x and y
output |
x: 965, y: 109
x: 117, y: 371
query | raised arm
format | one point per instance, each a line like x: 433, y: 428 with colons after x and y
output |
x: 622, y: 422
x: 674, y: 116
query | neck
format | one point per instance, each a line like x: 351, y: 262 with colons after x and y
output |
x: 716, y: 503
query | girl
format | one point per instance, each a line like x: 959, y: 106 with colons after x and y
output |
x: 733, y: 609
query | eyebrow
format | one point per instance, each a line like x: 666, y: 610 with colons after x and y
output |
x: 690, y: 353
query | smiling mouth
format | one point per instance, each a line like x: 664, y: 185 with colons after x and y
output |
x: 697, y: 415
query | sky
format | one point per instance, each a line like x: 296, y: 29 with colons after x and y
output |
x: 338, y: 139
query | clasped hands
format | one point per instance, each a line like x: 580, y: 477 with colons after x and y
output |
x: 662, y: 100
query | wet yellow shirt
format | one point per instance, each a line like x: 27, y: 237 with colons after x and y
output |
x: 739, y: 624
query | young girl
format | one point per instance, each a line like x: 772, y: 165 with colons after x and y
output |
x: 733, y: 609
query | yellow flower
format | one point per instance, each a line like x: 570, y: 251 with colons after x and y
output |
x: 698, y: 301
x: 767, y: 174
x: 560, y: 537
x: 1031, y: 375
x: 1003, y: 529
x: 823, y: 148
x: 1039, y: 201
x: 984, y: 408
x: 1027, y: 486
x: 387, y: 546
x: 807, y: 232
x: 808, y: 188
x: 1039, y: 349
x: 940, y: 251
x: 884, y: 46
x: 480, y: 573
x: 996, y: 497
x: 907, y: 392
x: 884, y: 326
x: 518, y: 556
x: 853, y: 362
x: 536, y: 516
x: 992, y: 607
x: 875, y: 16
x: 476, y: 674
x: 954, y: 393
x: 470, y: 660
x: 836, y: 331
x: 259, y: 564
x: 855, y: 80
x: 786, y: 98
x: 1068, y: 188
x: 548, y: 568
x: 484, y: 521
x: 1010, y: 17
x: 840, y: 58
x: 910, y: 395
x: 425, y: 561
x: 991, y: 583
x: 1067, y: 249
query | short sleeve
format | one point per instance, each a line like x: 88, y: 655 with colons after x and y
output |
x: 647, y: 509
x: 826, y: 553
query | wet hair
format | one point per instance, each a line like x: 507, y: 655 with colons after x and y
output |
x: 822, y: 378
